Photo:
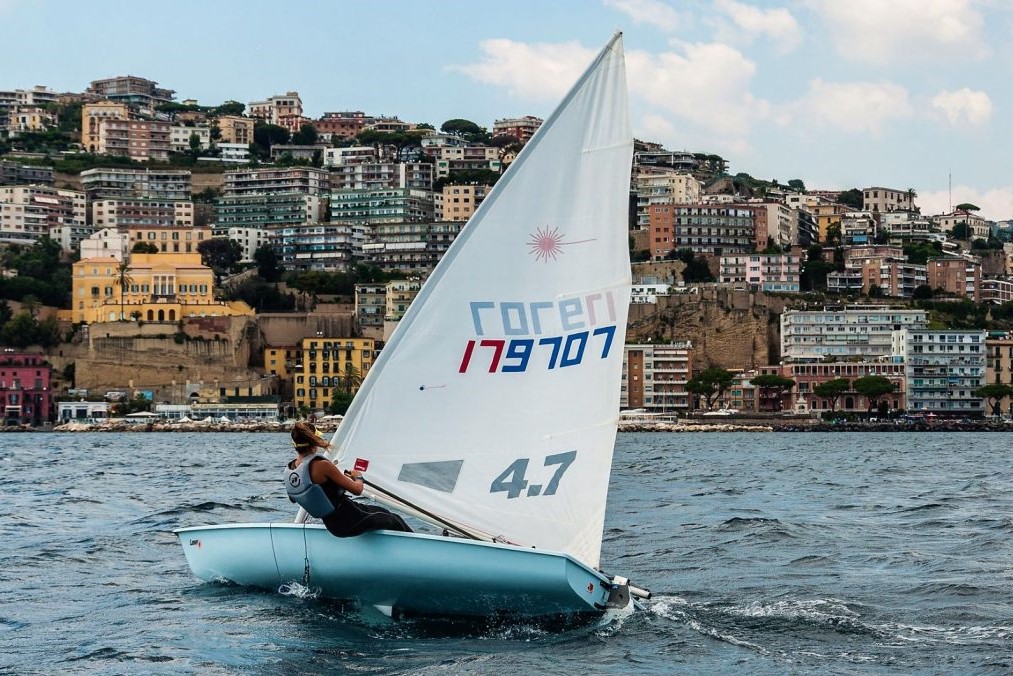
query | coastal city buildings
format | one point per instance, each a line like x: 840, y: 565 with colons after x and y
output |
x: 943, y: 368
x: 848, y: 332
x: 655, y: 377
x: 25, y: 388
x: 329, y: 367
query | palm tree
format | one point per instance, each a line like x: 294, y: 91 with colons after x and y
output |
x: 349, y: 379
x: 123, y: 280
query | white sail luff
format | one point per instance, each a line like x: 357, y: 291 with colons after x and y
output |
x: 497, y: 396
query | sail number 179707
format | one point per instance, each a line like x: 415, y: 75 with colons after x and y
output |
x: 517, y: 354
x: 513, y: 480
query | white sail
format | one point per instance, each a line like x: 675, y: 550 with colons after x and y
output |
x: 495, y: 403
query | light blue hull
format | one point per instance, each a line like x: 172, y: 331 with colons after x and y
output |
x: 403, y: 574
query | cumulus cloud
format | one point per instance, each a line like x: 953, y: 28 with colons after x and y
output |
x: 705, y: 83
x: 996, y: 204
x: 859, y: 107
x: 742, y: 23
x: 964, y: 106
x: 541, y: 71
x: 881, y: 32
x: 652, y: 12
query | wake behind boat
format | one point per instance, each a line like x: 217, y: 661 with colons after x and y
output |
x: 504, y: 379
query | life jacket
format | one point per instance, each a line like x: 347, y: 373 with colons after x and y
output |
x: 302, y: 491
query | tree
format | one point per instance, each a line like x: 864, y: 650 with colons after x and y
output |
x: 194, y: 146
x: 834, y: 234
x: 220, y: 254
x: 340, y: 401
x: 466, y: 129
x: 966, y: 206
x: 348, y: 380
x: 772, y: 389
x: 994, y: 393
x: 832, y: 390
x: 123, y: 280
x: 267, y: 263
x: 144, y: 248
x: 922, y: 292
x: 696, y: 270
x: 5, y: 312
x: 266, y: 135
x: 306, y: 136
x: 873, y: 387
x: 19, y: 331
x: 710, y: 384
x: 797, y: 185
x: 230, y: 108
x: 961, y: 231
x: 31, y: 305
x: 851, y: 198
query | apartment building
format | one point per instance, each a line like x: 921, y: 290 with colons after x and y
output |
x: 459, y: 202
x: 236, y: 129
x: 22, y: 119
x: 319, y: 246
x: 123, y: 213
x: 400, y: 294
x: 230, y: 153
x: 999, y: 368
x: 956, y: 275
x: 381, y: 175
x: 827, y: 214
x: 942, y: 370
x: 809, y: 375
x: 413, y: 247
x: 768, y: 272
x: 997, y: 291
x: 283, y: 110
x: 331, y: 366
x: 343, y: 125
x: 12, y: 173
x: 92, y: 114
x: 655, y: 376
x: 978, y: 226
x: 399, y: 205
x: 140, y: 140
x: 106, y: 243
x: 29, y: 212
x: 269, y: 210
x: 169, y: 239
x: 129, y: 89
x: 452, y: 158
x: 654, y: 186
x: 259, y: 181
x: 903, y: 226
x: 660, y: 230
x: 370, y: 308
x: 858, y: 228
x: 180, y: 135
x: 152, y: 184
x: 248, y: 239
x: 647, y: 294
x: 25, y: 388
x: 521, y: 128
x: 163, y: 287
x: 715, y: 229
x: 337, y: 157
x: 855, y: 331
x: 879, y: 200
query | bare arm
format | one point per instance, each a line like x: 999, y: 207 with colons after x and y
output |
x: 322, y: 471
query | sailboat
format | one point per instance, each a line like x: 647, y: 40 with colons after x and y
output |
x: 492, y: 411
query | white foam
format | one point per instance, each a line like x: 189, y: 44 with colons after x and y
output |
x: 300, y: 591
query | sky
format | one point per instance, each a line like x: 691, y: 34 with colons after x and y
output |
x: 905, y: 94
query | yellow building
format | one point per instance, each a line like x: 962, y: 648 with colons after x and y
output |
x: 236, y: 129
x: 330, y: 366
x: 92, y: 114
x: 158, y: 288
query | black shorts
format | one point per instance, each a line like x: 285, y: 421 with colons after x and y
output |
x: 354, y: 518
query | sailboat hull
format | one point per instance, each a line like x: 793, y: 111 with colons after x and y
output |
x: 404, y: 574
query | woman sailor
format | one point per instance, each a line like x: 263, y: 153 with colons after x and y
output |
x: 315, y: 484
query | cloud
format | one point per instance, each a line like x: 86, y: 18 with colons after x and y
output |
x: 996, y: 204
x: 881, y: 32
x: 704, y: 83
x: 858, y: 107
x: 540, y: 71
x: 743, y: 23
x: 653, y: 12
x: 964, y: 106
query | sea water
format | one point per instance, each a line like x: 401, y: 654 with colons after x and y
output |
x: 766, y: 553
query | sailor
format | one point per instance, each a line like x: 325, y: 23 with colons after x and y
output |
x: 322, y: 490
